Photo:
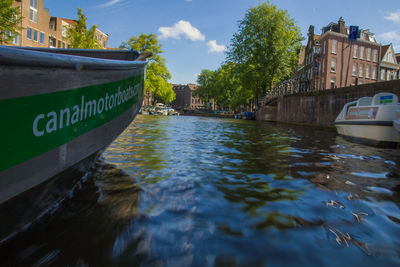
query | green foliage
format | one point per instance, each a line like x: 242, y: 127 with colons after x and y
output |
x: 232, y: 93
x: 206, y: 82
x: 80, y: 37
x: 10, y: 18
x: 265, y: 48
x: 157, y: 74
x: 224, y: 86
x: 262, y: 53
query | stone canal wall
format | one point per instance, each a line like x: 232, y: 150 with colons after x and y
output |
x: 322, y: 107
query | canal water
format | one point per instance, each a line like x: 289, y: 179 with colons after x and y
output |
x: 195, y: 191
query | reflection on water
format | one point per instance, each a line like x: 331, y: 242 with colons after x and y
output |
x: 202, y: 191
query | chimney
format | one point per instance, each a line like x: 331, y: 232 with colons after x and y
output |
x: 342, y: 27
x: 311, y: 30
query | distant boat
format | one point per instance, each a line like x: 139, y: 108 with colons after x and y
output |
x: 60, y: 108
x: 375, y: 120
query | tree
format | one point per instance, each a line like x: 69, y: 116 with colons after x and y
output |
x: 224, y: 86
x: 265, y: 48
x: 10, y: 18
x: 80, y: 37
x: 206, y: 85
x: 157, y: 74
x: 230, y: 91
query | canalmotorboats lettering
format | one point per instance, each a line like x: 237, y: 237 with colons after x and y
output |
x: 361, y: 113
x: 46, y: 121
x: 68, y: 116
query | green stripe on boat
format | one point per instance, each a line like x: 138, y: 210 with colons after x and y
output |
x: 40, y: 123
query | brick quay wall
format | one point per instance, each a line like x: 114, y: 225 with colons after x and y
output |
x: 321, y: 108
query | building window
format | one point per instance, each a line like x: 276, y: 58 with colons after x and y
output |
x: 374, y: 73
x: 104, y: 43
x: 355, y: 53
x: 64, y: 31
x: 52, y: 42
x: 33, y: 12
x: 361, y: 70
x: 369, y: 54
x: 334, y: 46
x: 361, y: 52
x: 42, y: 38
x: 333, y: 82
x: 16, y: 39
x: 35, y: 35
x: 367, y: 70
x: 59, y: 44
x: 388, y: 75
x: 7, y: 35
x: 324, y: 46
x: 29, y: 33
x: 354, y: 69
x: 333, y: 65
x: 375, y: 58
x: 383, y: 75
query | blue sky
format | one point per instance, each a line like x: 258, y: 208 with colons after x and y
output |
x: 195, y: 33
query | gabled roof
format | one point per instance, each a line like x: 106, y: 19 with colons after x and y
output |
x: 70, y: 21
x: 192, y: 86
x: 384, y: 49
x: 389, y: 58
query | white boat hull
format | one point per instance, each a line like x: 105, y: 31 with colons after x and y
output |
x: 378, y: 133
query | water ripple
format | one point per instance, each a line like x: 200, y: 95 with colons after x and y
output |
x: 185, y: 191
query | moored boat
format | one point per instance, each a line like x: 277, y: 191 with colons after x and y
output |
x: 375, y: 120
x: 62, y: 107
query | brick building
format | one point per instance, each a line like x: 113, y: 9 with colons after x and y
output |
x: 39, y: 29
x: 332, y: 61
x: 58, y: 31
x: 185, y: 99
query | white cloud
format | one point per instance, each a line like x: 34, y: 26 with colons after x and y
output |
x: 181, y: 28
x: 394, y: 16
x: 214, y: 47
x: 390, y: 36
x: 110, y: 3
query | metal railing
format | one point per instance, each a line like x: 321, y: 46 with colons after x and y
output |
x: 288, y: 87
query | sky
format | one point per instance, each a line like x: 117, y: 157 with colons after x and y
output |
x: 195, y: 34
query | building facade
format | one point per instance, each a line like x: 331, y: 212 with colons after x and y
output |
x: 332, y: 60
x: 389, y: 67
x: 39, y: 29
x: 101, y: 37
x: 185, y: 98
x: 58, y: 28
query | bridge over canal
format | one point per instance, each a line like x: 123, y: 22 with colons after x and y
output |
x: 286, y: 103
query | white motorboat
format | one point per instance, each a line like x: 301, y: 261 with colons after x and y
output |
x: 375, y: 119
